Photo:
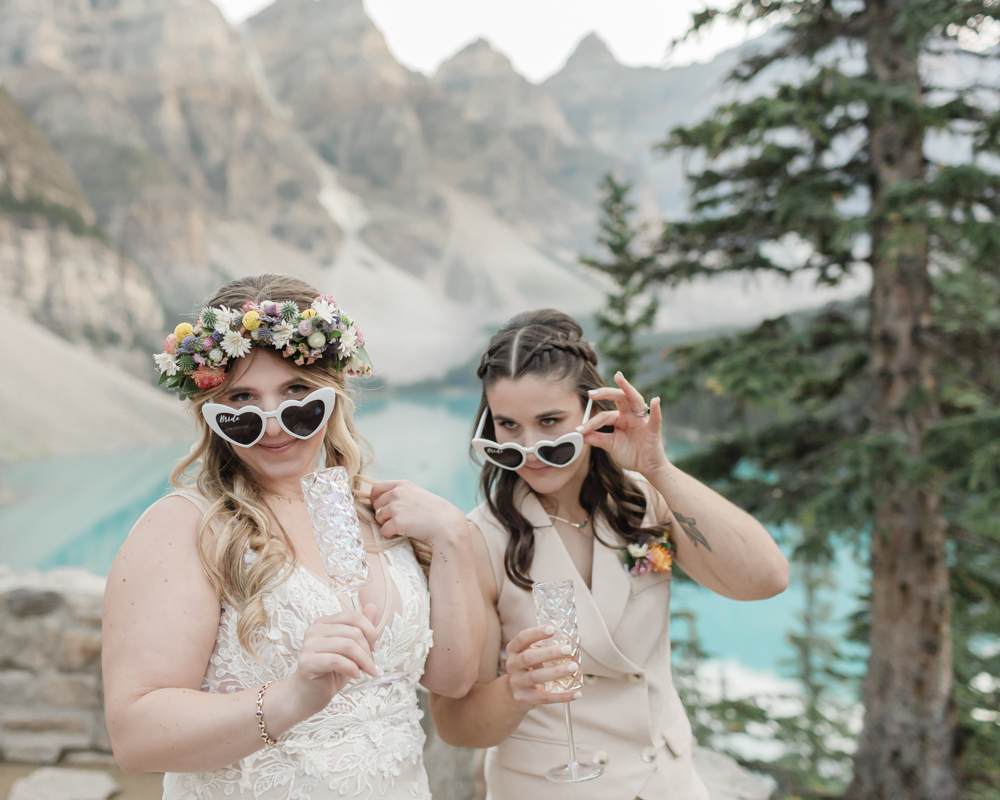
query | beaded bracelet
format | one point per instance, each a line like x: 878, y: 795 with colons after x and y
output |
x: 260, y: 717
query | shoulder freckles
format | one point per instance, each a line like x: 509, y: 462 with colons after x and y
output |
x: 172, y: 518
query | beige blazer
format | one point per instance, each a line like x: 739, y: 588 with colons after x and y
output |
x: 630, y: 717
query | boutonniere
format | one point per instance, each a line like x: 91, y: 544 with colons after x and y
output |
x: 650, y: 555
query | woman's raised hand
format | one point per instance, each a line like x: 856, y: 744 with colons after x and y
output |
x: 404, y: 509
x: 527, y: 676
x: 335, y: 650
x: 637, y: 441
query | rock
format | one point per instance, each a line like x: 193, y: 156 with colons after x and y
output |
x: 64, y: 784
x: 80, y: 648
x: 31, y: 603
x: 74, y: 690
x: 17, y: 686
x: 727, y: 780
x: 40, y: 748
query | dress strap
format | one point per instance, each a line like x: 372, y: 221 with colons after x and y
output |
x: 193, y: 496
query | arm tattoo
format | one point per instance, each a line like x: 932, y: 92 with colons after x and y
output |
x: 695, y: 535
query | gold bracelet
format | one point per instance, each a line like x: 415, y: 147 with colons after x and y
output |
x: 260, y: 717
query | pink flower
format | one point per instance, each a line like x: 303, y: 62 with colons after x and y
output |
x: 248, y: 307
x: 170, y: 344
x: 328, y: 298
x: 208, y: 378
x: 207, y: 343
x: 361, y: 336
x: 300, y: 361
x: 198, y: 360
x: 305, y: 328
x: 270, y: 309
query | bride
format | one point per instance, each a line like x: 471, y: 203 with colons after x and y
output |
x: 226, y: 652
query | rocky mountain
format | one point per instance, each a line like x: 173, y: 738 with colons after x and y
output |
x: 156, y: 109
x: 56, y: 264
x: 83, y: 315
x: 433, y: 208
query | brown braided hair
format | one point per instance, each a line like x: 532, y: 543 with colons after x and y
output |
x: 550, y: 343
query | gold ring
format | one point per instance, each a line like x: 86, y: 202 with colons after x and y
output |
x: 378, y: 513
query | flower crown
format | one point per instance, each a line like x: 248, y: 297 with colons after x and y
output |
x: 197, y: 357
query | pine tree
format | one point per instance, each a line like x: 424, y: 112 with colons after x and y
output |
x: 629, y: 269
x: 859, y: 406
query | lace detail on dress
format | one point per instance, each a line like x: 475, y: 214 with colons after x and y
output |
x: 364, y: 744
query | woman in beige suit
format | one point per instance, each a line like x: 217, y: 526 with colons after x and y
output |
x: 609, y: 511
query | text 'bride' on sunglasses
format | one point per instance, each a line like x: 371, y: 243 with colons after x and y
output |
x: 560, y: 452
x: 245, y: 426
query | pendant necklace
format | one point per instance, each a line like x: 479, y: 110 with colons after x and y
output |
x: 576, y: 525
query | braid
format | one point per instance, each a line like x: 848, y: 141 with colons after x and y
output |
x: 575, y: 346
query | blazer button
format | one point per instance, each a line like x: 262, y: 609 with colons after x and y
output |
x: 601, y: 757
x: 590, y: 680
x: 649, y: 754
x: 634, y: 677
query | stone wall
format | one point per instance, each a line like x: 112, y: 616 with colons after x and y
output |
x: 51, y: 697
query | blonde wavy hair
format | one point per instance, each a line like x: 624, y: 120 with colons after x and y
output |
x: 238, y: 519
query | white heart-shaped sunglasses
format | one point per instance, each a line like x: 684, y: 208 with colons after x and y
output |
x: 560, y: 452
x: 245, y: 426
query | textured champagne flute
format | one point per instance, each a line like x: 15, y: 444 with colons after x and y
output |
x: 555, y: 605
x: 334, y: 516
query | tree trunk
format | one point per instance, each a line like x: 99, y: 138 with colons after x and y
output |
x: 907, y: 747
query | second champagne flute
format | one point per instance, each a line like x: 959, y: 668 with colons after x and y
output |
x: 334, y: 517
x: 555, y: 605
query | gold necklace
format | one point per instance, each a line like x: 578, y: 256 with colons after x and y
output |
x: 576, y: 525
x: 282, y: 497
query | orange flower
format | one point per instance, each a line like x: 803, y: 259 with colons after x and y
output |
x: 208, y: 378
x: 660, y: 558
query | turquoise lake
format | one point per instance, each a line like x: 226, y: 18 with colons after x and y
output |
x: 77, y: 510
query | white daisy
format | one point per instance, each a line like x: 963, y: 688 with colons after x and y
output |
x: 165, y: 362
x: 348, y: 342
x: 324, y: 310
x: 282, y: 334
x: 235, y: 345
x: 223, y: 319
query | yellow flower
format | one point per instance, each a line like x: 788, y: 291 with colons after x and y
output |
x: 182, y: 330
x: 309, y: 312
x: 251, y: 320
x: 661, y: 559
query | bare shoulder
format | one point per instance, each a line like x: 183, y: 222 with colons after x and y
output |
x: 161, y: 612
x: 160, y: 554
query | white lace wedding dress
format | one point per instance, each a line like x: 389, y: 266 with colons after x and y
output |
x: 365, y: 744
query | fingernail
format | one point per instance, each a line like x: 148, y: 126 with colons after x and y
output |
x: 566, y: 649
x: 572, y: 667
x: 591, y: 391
x: 550, y: 630
x: 579, y: 427
x: 379, y: 671
x: 577, y: 695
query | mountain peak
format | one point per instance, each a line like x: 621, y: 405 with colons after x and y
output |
x: 478, y: 59
x: 592, y: 49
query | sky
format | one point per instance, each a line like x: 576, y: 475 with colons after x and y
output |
x: 536, y: 35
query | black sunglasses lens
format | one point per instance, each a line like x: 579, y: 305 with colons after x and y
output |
x: 304, y: 420
x: 558, y: 454
x: 505, y: 458
x: 241, y: 428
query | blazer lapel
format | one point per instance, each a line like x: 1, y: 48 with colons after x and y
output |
x: 609, y: 581
x: 552, y: 562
